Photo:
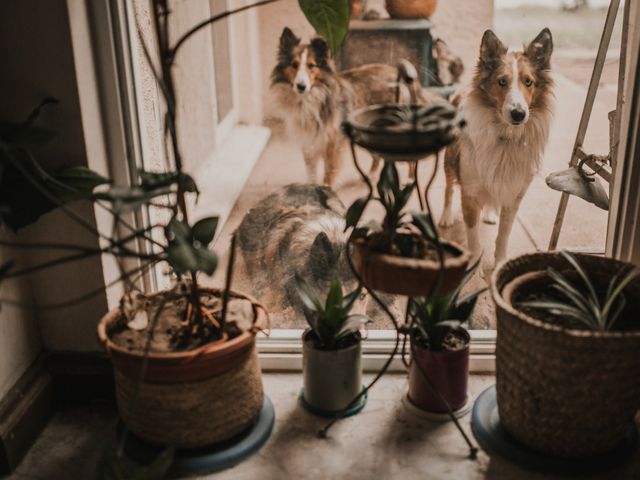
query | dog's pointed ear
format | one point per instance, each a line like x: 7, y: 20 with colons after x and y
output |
x: 491, y: 47
x: 288, y: 41
x: 540, y: 49
x: 321, y: 51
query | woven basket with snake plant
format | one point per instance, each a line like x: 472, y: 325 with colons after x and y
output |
x: 561, y: 390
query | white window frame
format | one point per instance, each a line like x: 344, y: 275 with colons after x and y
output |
x: 282, y: 350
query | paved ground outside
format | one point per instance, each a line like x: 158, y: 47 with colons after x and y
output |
x: 585, y: 225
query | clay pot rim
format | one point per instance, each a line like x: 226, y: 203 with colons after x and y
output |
x: 218, y: 347
x: 503, y: 300
x: 461, y: 260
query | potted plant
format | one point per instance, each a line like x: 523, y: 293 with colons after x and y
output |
x: 331, y: 349
x: 567, y: 361
x: 399, y: 255
x: 439, y: 366
x: 180, y: 357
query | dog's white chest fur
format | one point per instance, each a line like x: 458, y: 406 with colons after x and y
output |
x: 498, y: 161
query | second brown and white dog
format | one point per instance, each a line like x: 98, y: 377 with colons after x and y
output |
x: 508, y: 110
x: 314, y: 99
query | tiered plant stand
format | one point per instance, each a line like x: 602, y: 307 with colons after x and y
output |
x: 410, y: 134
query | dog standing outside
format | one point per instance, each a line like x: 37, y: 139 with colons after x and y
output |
x: 508, y: 110
x: 314, y: 100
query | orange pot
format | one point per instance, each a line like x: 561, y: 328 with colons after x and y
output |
x: 411, y: 8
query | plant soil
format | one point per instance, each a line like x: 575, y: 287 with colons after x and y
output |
x: 452, y: 342
x: 171, y: 320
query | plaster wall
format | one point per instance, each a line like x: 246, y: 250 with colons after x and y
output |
x: 34, y: 69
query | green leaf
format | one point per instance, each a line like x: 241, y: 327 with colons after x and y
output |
x: 178, y: 231
x: 207, y: 260
x: 352, y: 324
x: 559, y: 309
x: 330, y: 18
x: 308, y: 297
x: 182, y: 258
x: 154, y: 180
x: 463, y: 309
x: 587, y: 281
x: 79, y: 182
x: 424, y: 223
x: 354, y: 213
x: 204, y: 230
x: 618, y: 291
x: 350, y: 298
x: 591, y: 310
x: 334, y: 298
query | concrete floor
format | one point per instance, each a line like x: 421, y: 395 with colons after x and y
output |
x: 384, y: 441
x: 584, y: 227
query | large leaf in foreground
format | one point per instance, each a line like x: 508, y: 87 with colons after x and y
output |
x: 330, y: 18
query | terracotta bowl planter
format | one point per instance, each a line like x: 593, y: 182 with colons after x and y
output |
x: 332, y: 378
x: 565, y: 392
x: 412, y: 277
x: 411, y: 8
x: 193, y: 398
x: 449, y: 373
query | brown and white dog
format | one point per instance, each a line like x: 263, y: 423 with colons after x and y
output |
x: 508, y: 110
x: 314, y: 99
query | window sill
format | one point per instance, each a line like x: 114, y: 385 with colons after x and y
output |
x: 282, y: 351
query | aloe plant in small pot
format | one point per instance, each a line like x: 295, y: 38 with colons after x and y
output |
x: 399, y: 255
x: 331, y: 350
x: 567, y: 354
x: 439, y: 366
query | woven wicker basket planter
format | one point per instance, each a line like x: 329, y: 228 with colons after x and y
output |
x: 570, y: 393
x: 408, y: 276
x: 189, y: 399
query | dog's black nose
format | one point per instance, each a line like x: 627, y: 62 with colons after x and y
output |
x: 301, y: 87
x: 517, y: 115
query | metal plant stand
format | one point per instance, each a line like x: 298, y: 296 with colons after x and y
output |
x: 420, y: 141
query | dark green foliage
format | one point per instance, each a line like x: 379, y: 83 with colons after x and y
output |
x: 150, y: 185
x: 581, y: 300
x: 27, y: 190
x: 330, y: 321
x: 187, y: 250
x: 437, y: 316
x: 330, y: 18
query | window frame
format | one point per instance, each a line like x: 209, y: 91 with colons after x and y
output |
x: 282, y: 349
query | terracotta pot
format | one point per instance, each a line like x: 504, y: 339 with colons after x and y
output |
x: 449, y: 373
x: 220, y: 382
x: 561, y: 391
x: 357, y: 8
x: 411, y: 8
x: 411, y: 277
x: 332, y: 378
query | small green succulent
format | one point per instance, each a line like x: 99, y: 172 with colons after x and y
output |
x: 435, y: 317
x: 330, y: 321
